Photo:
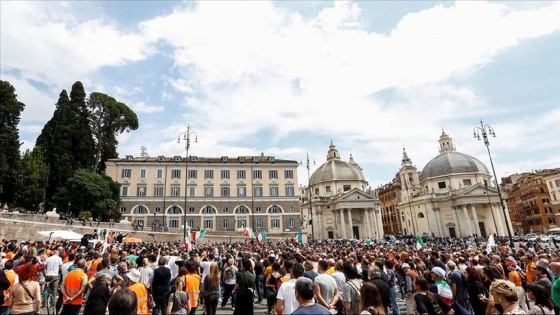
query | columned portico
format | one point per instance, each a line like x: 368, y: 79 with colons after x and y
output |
x: 367, y: 224
x: 469, y: 228
x: 475, y: 219
x: 342, y: 224
x: 499, y: 221
x: 351, y: 229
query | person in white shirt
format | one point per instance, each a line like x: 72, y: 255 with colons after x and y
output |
x: 286, y: 302
x: 52, y: 268
x: 66, y: 265
x: 172, y: 265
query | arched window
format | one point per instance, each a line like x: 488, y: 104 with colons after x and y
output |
x: 274, y: 209
x: 208, y: 210
x: 175, y: 210
x: 242, y: 210
x: 420, y: 215
x: 140, y: 210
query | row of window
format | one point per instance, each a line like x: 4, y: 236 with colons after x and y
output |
x: 274, y: 209
x: 227, y: 224
x: 208, y: 174
x: 225, y: 191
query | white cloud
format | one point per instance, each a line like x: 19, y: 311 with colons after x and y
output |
x: 142, y: 107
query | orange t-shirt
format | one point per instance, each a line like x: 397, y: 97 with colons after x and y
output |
x: 515, y: 278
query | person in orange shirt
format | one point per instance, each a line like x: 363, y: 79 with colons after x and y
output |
x: 139, y: 289
x: 192, y: 286
x: 530, y: 267
x: 73, y: 288
x: 12, y: 279
x: 515, y: 277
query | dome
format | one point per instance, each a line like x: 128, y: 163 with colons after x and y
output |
x: 335, y: 169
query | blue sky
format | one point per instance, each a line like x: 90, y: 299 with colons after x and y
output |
x: 285, y: 78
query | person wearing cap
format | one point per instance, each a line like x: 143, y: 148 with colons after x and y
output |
x: 409, y: 278
x: 73, y: 288
x: 441, y: 287
x: 303, y: 291
x: 139, y: 289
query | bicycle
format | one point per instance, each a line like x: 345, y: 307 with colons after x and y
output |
x: 48, y: 298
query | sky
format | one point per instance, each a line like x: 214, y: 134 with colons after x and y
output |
x: 286, y: 78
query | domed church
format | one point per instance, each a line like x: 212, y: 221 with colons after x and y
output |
x: 454, y: 196
x: 342, y: 204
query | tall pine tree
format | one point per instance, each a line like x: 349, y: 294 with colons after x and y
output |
x: 33, y: 179
x: 10, y: 112
x: 82, y: 138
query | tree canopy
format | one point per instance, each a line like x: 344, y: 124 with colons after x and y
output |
x: 33, y: 179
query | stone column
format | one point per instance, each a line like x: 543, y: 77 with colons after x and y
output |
x: 438, y: 223
x: 371, y: 224
x: 351, y: 231
x: 366, y: 224
x: 499, y: 221
x: 469, y: 229
x: 379, y: 224
x: 456, y: 219
x: 475, y: 219
x: 342, y: 226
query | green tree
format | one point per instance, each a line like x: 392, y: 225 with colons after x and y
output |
x: 87, y: 191
x: 32, y: 180
x: 108, y: 119
x: 82, y: 141
x: 10, y: 112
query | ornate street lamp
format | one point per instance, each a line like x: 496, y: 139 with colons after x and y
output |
x: 486, y: 130
x: 310, y: 214
x: 186, y: 137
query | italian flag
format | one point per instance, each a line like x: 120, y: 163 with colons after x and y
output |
x: 261, y: 237
x: 299, y: 238
x: 249, y: 232
x: 368, y: 242
x: 188, y: 243
x: 198, y: 235
x: 419, y: 242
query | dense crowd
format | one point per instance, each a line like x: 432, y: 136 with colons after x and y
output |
x: 443, y: 276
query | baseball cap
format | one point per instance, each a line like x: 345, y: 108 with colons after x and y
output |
x: 438, y: 271
x: 405, y: 265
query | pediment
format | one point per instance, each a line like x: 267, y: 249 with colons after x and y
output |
x: 477, y: 190
x: 355, y: 195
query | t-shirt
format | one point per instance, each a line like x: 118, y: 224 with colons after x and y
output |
x: 326, y: 285
x: 350, y: 294
x: 286, y: 293
x: 456, y: 277
x: 205, y: 265
x: 53, y: 264
x: 314, y: 309
x: 179, y: 299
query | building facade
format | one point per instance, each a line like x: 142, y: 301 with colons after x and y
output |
x: 390, y: 197
x: 452, y: 196
x: 217, y: 194
x: 552, y: 178
x: 342, y: 204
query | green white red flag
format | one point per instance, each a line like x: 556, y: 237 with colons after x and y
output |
x: 249, y: 232
x: 198, y: 235
x: 261, y: 237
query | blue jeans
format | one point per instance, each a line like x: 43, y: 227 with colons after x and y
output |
x: 228, y: 290
x: 69, y: 309
x: 4, y: 310
x: 259, y: 283
x: 394, y: 305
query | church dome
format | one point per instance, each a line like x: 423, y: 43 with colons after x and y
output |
x: 451, y: 162
x: 335, y: 169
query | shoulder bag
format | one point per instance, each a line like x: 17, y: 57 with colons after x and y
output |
x: 32, y: 298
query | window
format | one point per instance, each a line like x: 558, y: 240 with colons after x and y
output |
x: 143, y: 173
x: 208, y: 224
x: 159, y: 174
x: 157, y: 210
x: 141, y: 191
x: 140, y: 222
x: 242, y: 210
x: 225, y: 191
x: 208, y: 191
x: 289, y: 174
x: 208, y: 210
x: 241, y: 223
x: 328, y: 189
x: 557, y: 182
x: 191, y: 210
x: 441, y: 185
x: 174, y: 223
x: 554, y: 196
x: 241, y: 174
x: 259, y: 209
x: 550, y: 185
x: 291, y: 223
x: 140, y: 210
x: 225, y: 224
x: 175, y: 191
x: 192, y: 174
x: 545, y: 200
x: 225, y: 174
x: 420, y: 215
x: 257, y: 191
x: 257, y: 174
x: 123, y: 209
x: 290, y: 190
x: 124, y: 191
x: 225, y: 210
x: 273, y: 191
x: 191, y: 223
x: 175, y: 174
x: 551, y: 221
x: 208, y: 174
x: 192, y: 191
x: 158, y: 190
x: 275, y: 209
x: 126, y: 172
x: 259, y: 223
x: 175, y: 210
x: 273, y: 174
x: 241, y: 191
x: 467, y: 182
x: 290, y: 209
x: 275, y: 223
x: 346, y: 187
x: 316, y: 191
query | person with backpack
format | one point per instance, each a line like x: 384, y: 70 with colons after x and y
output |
x: 408, y: 287
x: 229, y: 283
x: 286, y: 302
x: 458, y: 285
x: 351, y: 290
x: 517, y: 278
x: 270, y: 289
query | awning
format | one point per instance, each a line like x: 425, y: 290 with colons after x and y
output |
x: 64, y: 234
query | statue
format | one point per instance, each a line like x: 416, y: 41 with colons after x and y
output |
x: 52, y: 214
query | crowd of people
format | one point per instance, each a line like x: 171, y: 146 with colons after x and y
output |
x: 444, y: 276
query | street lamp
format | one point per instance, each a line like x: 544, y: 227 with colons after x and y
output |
x: 486, y: 130
x: 307, y: 163
x: 187, y: 139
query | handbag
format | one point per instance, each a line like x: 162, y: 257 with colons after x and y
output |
x: 32, y: 298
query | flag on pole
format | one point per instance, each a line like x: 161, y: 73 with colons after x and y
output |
x: 261, y: 237
x: 100, y: 233
x: 368, y: 242
x: 188, y: 243
x: 419, y: 242
x: 249, y: 232
x: 230, y: 240
x: 299, y: 238
x: 198, y: 235
x: 491, y: 242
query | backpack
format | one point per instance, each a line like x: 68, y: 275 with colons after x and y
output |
x: 357, y: 290
x: 280, y: 281
x: 230, y: 273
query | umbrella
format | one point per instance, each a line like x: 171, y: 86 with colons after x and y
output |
x: 65, y: 234
x: 132, y: 240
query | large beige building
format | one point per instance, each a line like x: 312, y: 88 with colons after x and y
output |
x: 219, y: 194
x: 342, y: 204
x: 454, y: 195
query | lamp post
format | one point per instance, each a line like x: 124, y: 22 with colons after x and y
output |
x: 310, y: 214
x: 486, y: 130
x: 186, y: 137
x: 410, y: 206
